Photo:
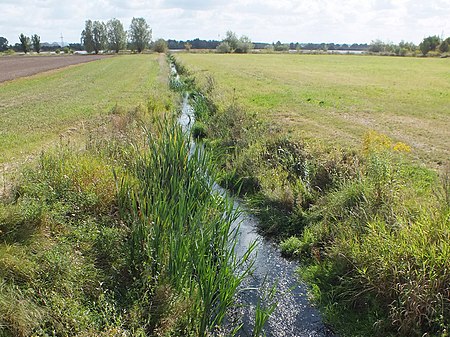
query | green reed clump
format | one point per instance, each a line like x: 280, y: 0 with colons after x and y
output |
x: 181, y: 229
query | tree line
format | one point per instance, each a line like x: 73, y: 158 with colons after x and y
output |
x: 98, y: 35
x: 429, y: 44
x: 28, y: 43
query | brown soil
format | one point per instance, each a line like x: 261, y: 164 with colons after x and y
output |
x: 12, y: 67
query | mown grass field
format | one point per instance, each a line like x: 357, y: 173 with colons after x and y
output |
x: 36, y: 110
x: 338, y: 98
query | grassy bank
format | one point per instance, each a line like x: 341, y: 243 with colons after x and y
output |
x: 119, y: 233
x: 330, y: 152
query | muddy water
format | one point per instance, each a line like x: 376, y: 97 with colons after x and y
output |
x: 294, y: 315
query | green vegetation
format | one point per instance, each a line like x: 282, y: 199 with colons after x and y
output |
x: 95, y: 36
x: 3, y: 44
x: 99, y: 36
x: 140, y: 34
x: 117, y: 36
x: 36, y: 41
x: 233, y: 44
x: 358, y: 207
x: 335, y: 99
x: 160, y: 46
x: 119, y: 233
x: 43, y: 108
x: 430, y: 43
x: 25, y: 42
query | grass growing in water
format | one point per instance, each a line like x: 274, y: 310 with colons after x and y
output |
x: 181, y: 230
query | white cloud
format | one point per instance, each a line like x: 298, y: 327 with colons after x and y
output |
x: 262, y: 20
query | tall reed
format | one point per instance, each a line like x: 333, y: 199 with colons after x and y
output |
x: 182, y: 231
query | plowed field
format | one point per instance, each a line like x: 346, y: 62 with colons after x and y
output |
x: 21, y: 66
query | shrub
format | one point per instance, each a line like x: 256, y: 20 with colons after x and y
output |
x: 199, y: 130
x: 291, y: 246
x: 160, y: 46
x: 224, y: 48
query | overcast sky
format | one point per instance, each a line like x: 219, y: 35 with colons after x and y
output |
x: 345, y: 21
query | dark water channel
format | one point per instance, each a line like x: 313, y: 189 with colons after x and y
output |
x: 294, y: 315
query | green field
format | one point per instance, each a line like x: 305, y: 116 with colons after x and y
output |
x: 36, y: 110
x: 344, y: 159
x: 338, y: 98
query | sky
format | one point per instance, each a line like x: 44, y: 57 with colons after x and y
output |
x: 338, y: 21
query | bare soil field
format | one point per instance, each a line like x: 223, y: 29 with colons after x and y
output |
x: 12, y: 67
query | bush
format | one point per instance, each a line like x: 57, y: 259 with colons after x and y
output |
x: 224, y: 48
x: 291, y: 246
x: 160, y: 46
x: 199, y: 130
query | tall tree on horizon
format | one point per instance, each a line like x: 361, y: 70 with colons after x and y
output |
x: 99, y: 35
x: 87, y: 37
x: 36, y: 41
x: 117, y: 36
x: 25, y: 41
x: 140, y: 34
x: 3, y: 43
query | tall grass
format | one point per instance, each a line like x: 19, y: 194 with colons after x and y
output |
x: 181, y: 230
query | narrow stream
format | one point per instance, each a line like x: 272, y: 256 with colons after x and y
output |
x: 294, y: 315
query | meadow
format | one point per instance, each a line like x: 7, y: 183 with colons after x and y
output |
x: 337, y: 98
x: 344, y: 159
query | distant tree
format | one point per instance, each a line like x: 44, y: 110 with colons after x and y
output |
x: 280, y: 46
x: 435, y: 41
x: 187, y: 46
x: 160, y: 46
x: 444, y: 47
x: 87, y: 37
x: 3, y: 43
x: 232, y: 40
x: 377, y: 46
x: 429, y: 43
x: 100, y: 36
x: 224, y: 48
x: 244, y: 45
x: 36, y: 41
x: 25, y: 42
x: 408, y: 46
x: 140, y: 34
x: 425, y: 47
x: 117, y: 36
x: 75, y: 46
